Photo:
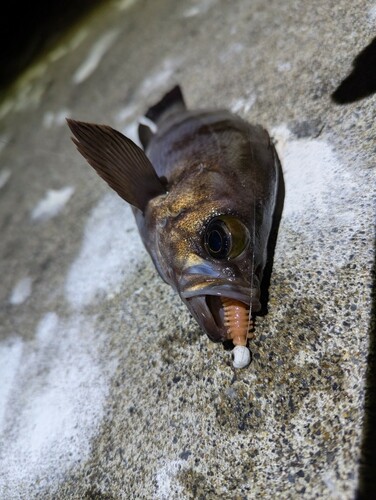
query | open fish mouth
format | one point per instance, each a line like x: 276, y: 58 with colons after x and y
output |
x: 209, y: 306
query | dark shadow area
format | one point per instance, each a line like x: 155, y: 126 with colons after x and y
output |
x: 28, y: 28
x: 265, y: 284
x: 367, y: 466
x: 361, y: 82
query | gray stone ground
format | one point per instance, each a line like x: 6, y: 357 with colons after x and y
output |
x: 108, y: 388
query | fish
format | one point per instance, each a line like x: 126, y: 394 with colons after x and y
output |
x: 207, y: 191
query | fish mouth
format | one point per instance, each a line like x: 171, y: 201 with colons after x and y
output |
x: 206, y: 306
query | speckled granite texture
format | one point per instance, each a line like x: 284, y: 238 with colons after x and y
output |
x: 109, y: 390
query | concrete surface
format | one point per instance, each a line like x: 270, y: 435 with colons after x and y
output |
x: 108, y: 389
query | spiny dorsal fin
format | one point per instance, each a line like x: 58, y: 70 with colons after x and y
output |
x: 119, y: 161
x: 171, y: 102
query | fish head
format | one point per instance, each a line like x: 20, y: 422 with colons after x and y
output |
x: 209, y: 244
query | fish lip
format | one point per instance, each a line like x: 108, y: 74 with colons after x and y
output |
x: 207, y: 312
x: 232, y: 291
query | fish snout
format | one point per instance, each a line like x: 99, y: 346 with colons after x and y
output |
x: 220, y: 299
x: 221, y: 309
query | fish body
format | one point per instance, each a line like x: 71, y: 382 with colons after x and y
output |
x: 204, y: 193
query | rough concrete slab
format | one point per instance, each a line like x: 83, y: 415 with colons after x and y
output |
x: 108, y: 388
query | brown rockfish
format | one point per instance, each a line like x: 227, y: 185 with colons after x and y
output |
x: 207, y: 195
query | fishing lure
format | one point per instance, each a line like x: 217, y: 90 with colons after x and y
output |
x: 206, y: 192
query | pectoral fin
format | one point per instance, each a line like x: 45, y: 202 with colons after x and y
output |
x: 119, y: 161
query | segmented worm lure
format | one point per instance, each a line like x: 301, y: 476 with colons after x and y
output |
x: 239, y: 325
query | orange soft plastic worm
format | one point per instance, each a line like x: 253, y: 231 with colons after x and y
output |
x: 236, y: 320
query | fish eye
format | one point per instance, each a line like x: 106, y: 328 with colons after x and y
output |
x: 225, y: 237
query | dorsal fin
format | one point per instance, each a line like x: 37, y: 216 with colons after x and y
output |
x: 171, y: 103
x: 119, y: 161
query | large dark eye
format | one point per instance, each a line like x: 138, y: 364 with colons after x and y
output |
x: 218, y: 239
x: 225, y: 237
